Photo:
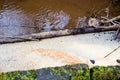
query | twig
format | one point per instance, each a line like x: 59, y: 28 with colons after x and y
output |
x: 112, y: 51
x: 117, y: 32
x: 113, y: 19
x: 107, y: 12
x: 108, y: 20
x: 116, y: 23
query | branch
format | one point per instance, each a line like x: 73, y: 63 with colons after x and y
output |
x: 43, y: 35
x: 112, y: 51
x: 111, y: 20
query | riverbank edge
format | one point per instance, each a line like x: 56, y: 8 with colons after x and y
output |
x: 67, y: 72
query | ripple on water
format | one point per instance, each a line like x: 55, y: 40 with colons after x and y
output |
x: 14, y: 21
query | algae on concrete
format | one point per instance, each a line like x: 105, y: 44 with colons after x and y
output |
x: 67, y: 72
x: 105, y: 73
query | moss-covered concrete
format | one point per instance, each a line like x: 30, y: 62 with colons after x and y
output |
x: 68, y: 72
x: 19, y: 75
x: 105, y: 73
x: 73, y: 72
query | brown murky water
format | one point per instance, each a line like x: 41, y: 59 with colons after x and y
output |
x: 19, y: 17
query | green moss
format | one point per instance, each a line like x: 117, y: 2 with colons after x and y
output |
x: 18, y: 75
x: 73, y: 72
x: 68, y: 72
x: 105, y: 73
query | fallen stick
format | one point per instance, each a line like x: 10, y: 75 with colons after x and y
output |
x: 43, y: 35
x: 111, y: 20
x: 112, y: 51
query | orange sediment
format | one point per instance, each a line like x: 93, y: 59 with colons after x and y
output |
x: 70, y: 59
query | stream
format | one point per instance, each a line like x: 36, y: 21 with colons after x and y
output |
x: 20, y: 17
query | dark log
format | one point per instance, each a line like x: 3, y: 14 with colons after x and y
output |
x: 43, y: 35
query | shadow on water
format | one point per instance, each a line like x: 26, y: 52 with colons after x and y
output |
x: 21, y: 17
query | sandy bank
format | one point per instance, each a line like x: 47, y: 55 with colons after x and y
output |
x: 60, y: 51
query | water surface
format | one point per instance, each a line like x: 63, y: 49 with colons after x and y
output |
x: 19, y: 17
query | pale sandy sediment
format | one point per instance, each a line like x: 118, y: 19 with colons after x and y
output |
x: 59, y: 51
